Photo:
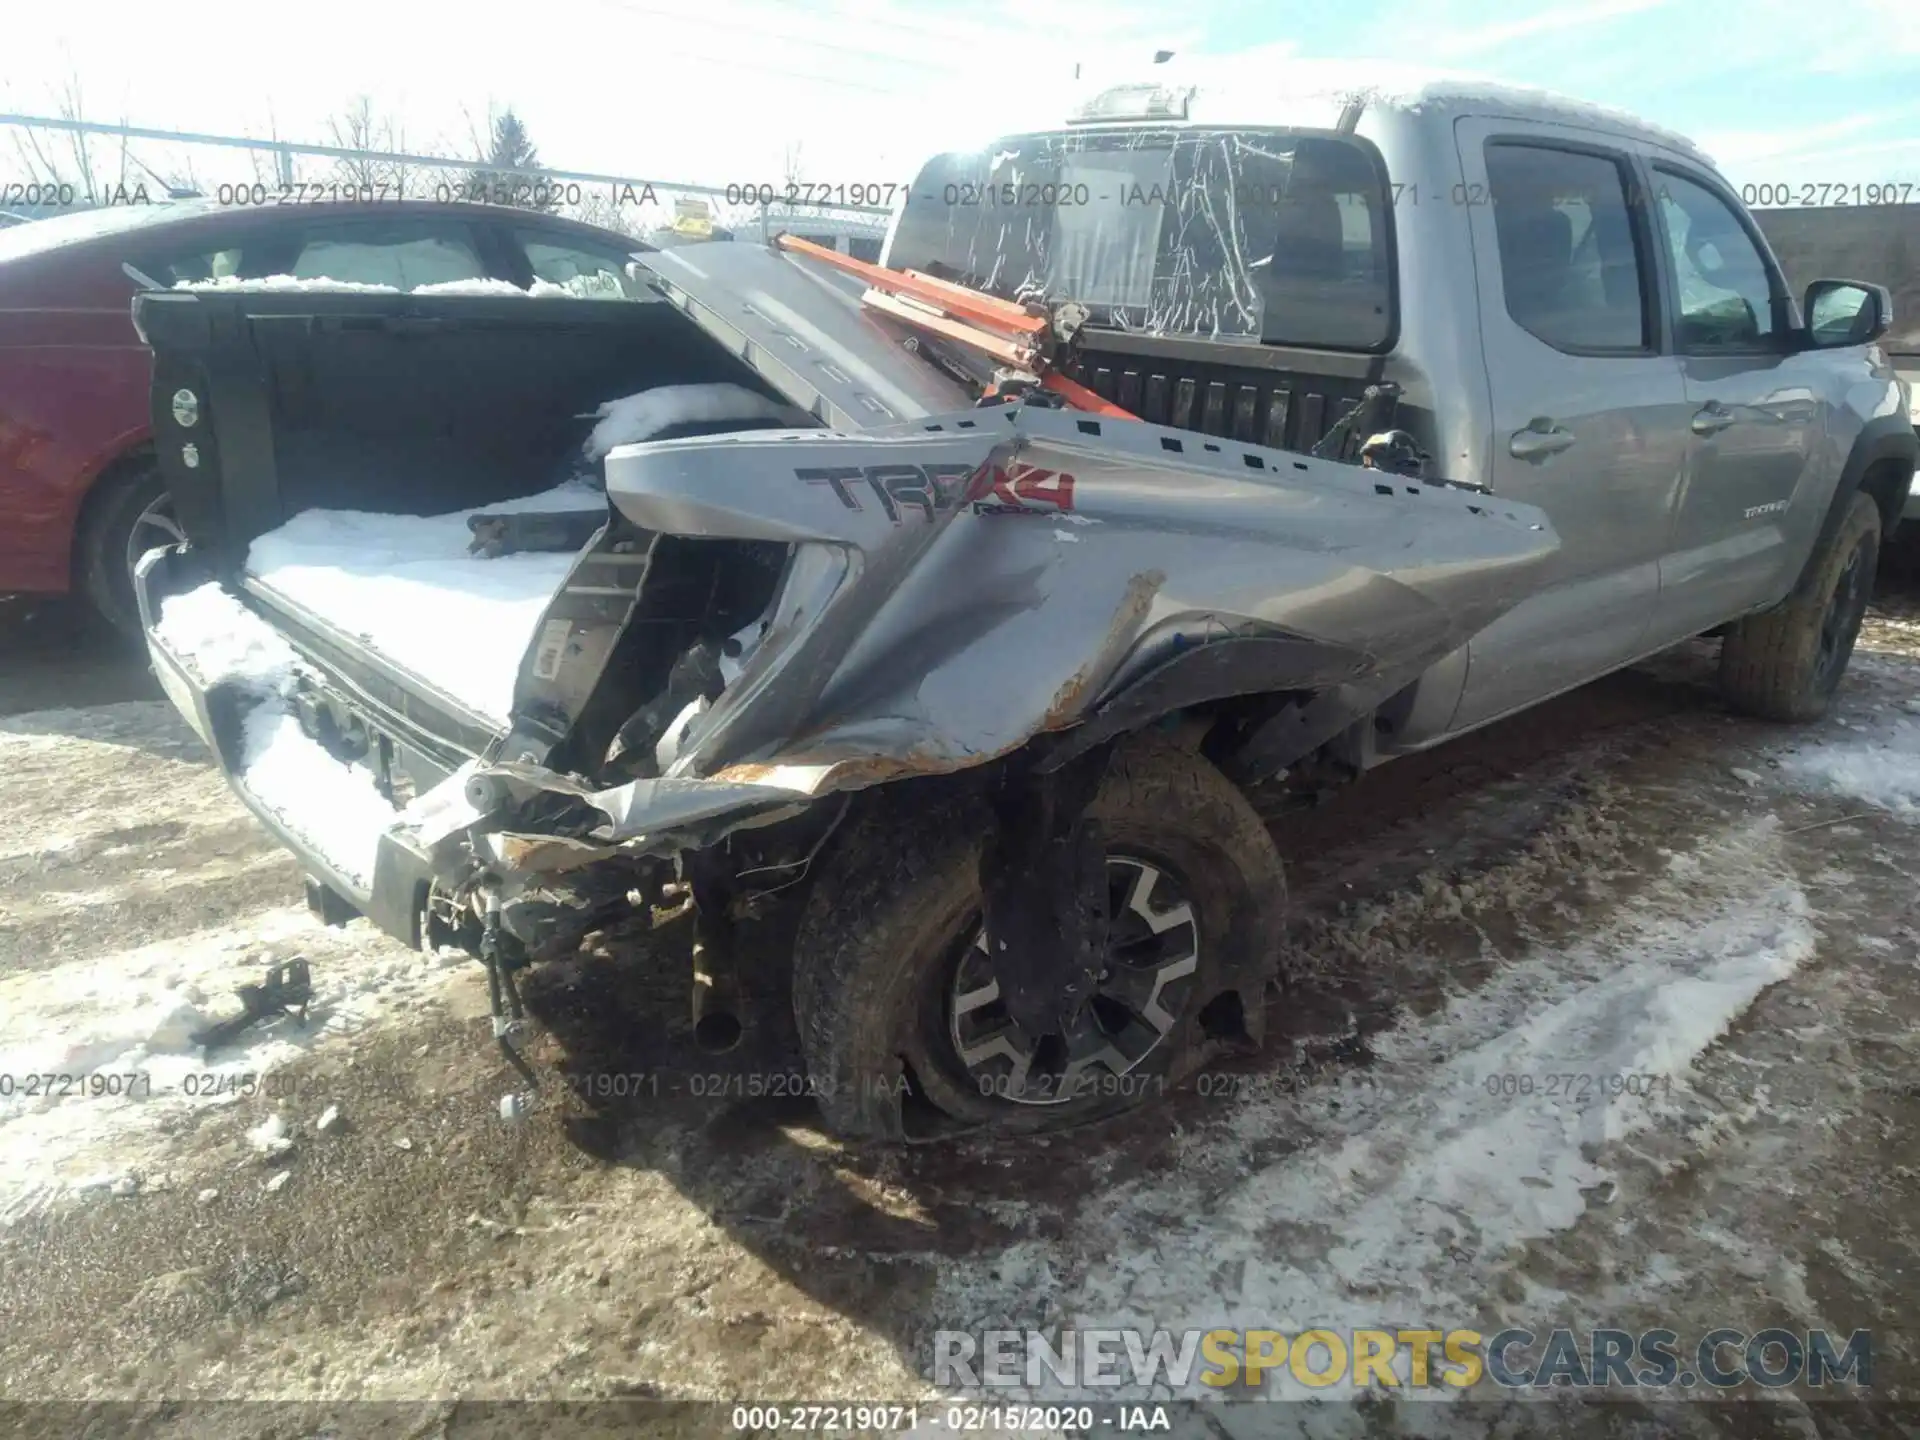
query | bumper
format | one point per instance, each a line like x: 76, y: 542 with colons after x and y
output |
x: 465, y: 823
x: 394, y: 895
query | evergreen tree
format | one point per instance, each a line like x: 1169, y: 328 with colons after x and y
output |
x: 510, y: 172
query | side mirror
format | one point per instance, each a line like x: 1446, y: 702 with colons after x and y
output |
x: 1846, y: 312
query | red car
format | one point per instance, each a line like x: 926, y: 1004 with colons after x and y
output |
x: 80, y: 498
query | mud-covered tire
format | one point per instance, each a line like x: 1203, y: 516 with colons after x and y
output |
x: 1786, y: 663
x: 872, y: 966
x: 123, y: 504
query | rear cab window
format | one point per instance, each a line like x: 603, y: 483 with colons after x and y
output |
x: 1276, y: 237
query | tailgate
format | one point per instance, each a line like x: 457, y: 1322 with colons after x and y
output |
x: 271, y: 404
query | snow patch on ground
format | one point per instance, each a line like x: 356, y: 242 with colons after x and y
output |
x: 1420, y: 1173
x: 1881, y: 767
x: 633, y: 418
x: 406, y: 586
x: 120, y: 1025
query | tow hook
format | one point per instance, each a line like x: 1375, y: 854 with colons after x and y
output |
x: 501, y: 954
x: 285, y: 990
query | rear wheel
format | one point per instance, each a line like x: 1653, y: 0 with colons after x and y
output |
x: 892, y: 977
x: 1787, y: 663
x: 131, y: 514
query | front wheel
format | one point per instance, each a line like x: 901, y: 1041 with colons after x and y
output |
x: 898, y: 1009
x: 1786, y: 664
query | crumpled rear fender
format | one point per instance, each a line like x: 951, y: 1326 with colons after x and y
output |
x: 962, y: 584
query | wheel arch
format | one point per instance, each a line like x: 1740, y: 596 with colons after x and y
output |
x: 135, y: 455
x: 1881, y: 464
x: 1206, y: 679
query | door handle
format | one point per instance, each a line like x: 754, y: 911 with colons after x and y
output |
x: 1540, y: 439
x: 1711, y: 419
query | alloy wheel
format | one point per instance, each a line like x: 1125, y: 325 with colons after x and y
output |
x: 1153, y: 960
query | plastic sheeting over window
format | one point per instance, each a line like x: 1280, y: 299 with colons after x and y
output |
x: 1279, y: 237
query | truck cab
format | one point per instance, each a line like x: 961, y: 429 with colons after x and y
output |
x: 1578, y: 310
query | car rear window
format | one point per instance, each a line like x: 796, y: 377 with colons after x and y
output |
x: 405, y: 254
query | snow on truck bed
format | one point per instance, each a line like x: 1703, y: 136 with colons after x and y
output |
x: 405, y: 586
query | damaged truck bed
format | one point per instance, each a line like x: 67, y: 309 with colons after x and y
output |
x: 1015, y: 652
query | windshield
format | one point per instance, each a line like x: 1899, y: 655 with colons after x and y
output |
x: 1260, y: 236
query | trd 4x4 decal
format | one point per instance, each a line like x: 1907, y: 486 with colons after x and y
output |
x: 1024, y: 490
x: 990, y: 489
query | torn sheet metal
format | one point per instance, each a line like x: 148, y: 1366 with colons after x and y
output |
x: 965, y: 584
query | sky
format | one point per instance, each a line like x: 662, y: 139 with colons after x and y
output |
x: 852, y: 91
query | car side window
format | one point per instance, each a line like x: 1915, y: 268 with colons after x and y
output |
x: 1726, y: 293
x: 196, y: 266
x: 584, y: 269
x: 1572, y: 271
x: 405, y: 254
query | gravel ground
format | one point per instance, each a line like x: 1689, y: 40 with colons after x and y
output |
x: 1555, y: 876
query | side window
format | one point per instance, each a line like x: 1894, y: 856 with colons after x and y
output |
x: 1726, y: 298
x: 585, y: 270
x: 405, y: 254
x: 1571, y: 268
x: 196, y: 266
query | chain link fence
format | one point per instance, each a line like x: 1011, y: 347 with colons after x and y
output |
x: 52, y: 166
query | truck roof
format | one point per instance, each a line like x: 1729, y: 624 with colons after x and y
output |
x: 1253, y: 89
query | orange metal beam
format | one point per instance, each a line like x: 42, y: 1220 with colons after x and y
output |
x: 967, y: 304
x: 971, y: 318
x: 1006, y: 351
x: 1081, y: 398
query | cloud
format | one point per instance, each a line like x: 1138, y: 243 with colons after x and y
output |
x: 1544, y: 22
x: 1738, y: 147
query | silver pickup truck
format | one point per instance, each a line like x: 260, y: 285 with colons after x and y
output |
x: 936, y: 702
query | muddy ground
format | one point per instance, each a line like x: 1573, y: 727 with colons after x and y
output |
x: 662, y: 1245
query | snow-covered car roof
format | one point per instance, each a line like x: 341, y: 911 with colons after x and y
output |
x: 1311, y: 94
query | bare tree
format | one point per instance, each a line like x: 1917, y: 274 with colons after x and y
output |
x: 272, y: 168
x: 96, y: 167
x: 359, y: 128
